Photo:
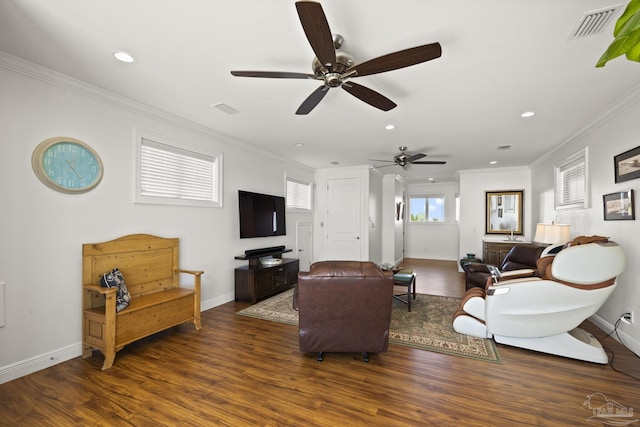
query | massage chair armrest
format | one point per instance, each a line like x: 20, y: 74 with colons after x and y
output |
x: 509, y: 276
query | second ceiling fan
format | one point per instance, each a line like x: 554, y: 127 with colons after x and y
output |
x: 335, y: 67
x: 404, y: 159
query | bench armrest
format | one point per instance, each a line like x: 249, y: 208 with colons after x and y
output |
x: 194, y: 272
x: 100, y: 289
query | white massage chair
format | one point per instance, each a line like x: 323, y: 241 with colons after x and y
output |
x: 543, y: 313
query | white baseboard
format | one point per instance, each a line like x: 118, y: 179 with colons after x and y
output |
x: 46, y: 360
x: 629, y: 342
x: 214, y: 302
x: 37, y: 363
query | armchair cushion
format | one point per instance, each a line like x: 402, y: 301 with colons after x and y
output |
x: 344, y: 306
x: 520, y: 257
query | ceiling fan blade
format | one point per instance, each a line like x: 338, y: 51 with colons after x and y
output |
x: 312, y: 100
x: 378, y: 160
x: 396, y: 60
x: 415, y: 157
x: 273, y: 74
x: 369, y: 96
x: 429, y: 162
x: 315, y: 26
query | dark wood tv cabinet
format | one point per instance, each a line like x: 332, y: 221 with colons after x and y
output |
x: 256, y: 281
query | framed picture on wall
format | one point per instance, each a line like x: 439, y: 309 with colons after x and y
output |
x: 627, y: 165
x: 619, y: 206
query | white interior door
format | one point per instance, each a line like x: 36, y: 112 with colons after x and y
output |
x: 304, y: 244
x: 344, y: 219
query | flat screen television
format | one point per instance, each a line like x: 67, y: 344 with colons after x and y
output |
x: 261, y: 215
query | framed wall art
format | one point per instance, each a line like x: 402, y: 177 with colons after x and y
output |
x: 619, y: 206
x: 627, y: 165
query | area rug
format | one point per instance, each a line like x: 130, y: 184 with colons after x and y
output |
x: 427, y: 327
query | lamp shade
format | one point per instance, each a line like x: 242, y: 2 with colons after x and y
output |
x: 552, y: 233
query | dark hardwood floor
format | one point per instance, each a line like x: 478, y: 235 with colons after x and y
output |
x: 241, y: 371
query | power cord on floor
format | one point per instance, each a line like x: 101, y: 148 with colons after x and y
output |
x: 615, y: 330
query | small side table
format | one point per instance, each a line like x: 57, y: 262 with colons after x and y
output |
x: 405, y: 278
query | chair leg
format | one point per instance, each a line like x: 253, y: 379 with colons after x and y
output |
x: 365, y: 357
x: 320, y: 356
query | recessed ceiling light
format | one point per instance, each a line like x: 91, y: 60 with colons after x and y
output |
x: 390, y: 127
x: 299, y: 144
x: 431, y: 179
x: 528, y: 114
x: 123, y: 56
x: 493, y: 162
x: 503, y: 147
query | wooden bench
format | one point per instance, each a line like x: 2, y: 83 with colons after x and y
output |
x: 149, y: 265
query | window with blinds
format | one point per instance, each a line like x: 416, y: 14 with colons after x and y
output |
x: 171, y: 174
x: 571, y: 182
x: 298, y: 194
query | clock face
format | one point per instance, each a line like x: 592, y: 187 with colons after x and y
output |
x: 67, y: 165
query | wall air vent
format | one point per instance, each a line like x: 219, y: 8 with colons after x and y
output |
x: 593, y: 22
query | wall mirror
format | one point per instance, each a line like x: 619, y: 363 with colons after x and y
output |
x: 504, y: 212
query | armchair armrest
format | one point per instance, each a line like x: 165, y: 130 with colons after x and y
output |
x: 473, y: 267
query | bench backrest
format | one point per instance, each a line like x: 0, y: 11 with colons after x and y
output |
x: 148, y: 263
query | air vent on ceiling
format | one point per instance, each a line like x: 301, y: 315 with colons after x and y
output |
x: 593, y: 22
x: 224, y: 108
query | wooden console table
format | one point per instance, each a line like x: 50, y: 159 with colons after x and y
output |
x: 256, y: 281
x: 494, y: 252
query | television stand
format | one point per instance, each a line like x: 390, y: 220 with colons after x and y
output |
x: 256, y: 281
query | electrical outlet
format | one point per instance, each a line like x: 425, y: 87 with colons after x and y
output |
x: 627, y: 317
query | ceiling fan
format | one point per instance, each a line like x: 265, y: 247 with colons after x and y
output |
x: 334, y: 67
x: 403, y: 159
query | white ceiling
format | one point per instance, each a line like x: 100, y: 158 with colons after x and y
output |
x: 500, y: 58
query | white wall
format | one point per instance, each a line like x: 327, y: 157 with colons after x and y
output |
x: 429, y: 240
x: 375, y: 223
x: 611, y: 134
x: 473, y: 184
x: 393, y: 192
x: 42, y: 231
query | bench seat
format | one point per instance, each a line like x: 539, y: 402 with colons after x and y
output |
x: 149, y: 265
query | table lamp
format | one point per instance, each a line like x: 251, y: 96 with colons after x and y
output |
x: 552, y: 233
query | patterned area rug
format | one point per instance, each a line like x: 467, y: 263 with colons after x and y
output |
x: 427, y: 327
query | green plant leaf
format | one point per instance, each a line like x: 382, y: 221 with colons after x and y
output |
x: 627, y: 36
x: 632, y: 9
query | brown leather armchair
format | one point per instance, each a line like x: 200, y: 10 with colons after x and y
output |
x: 519, y: 257
x: 344, y: 306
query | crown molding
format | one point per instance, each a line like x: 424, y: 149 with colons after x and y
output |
x: 63, y: 81
x: 612, y: 110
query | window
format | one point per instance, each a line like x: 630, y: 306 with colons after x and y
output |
x: 571, y: 182
x: 428, y: 208
x: 298, y: 194
x: 177, y: 174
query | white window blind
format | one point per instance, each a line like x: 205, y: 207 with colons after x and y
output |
x: 571, y: 182
x: 177, y: 175
x: 298, y: 194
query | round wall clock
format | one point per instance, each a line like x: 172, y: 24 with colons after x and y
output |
x: 67, y: 165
